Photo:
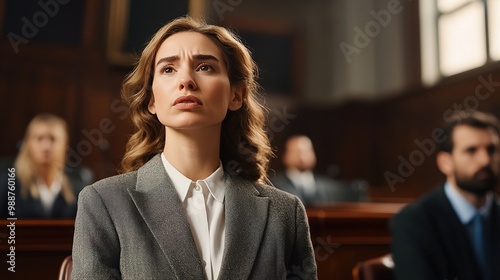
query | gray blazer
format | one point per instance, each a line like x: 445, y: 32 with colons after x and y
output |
x: 133, y: 226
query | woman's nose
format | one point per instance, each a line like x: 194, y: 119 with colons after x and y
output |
x: 187, y: 81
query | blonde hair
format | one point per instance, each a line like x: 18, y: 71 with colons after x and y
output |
x: 245, y: 147
x: 26, y: 168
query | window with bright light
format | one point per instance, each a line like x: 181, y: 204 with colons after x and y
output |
x: 494, y: 28
x: 458, y: 35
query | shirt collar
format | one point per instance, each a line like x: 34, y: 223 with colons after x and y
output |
x: 296, y: 172
x: 464, y: 209
x: 53, y: 189
x: 215, y: 182
x: 297, y: 176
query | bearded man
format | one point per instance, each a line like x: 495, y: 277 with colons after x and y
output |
x: 454, y: 231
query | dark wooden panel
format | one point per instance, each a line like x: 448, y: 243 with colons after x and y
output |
x: 58, y: 22
x: 344, y: 234
x: 40, y: 247
x: 31, y: 87
x: 367, y: 139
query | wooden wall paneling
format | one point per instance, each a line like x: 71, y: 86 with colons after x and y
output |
x: 357, y: 148
x: 32, y: 88
x: 366, y: 139
x: 414, y: 116
x: 104, y: 129
x: 93, y: 21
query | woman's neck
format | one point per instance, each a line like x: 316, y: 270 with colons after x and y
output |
x: 196, y: 154
x: 47, y: 174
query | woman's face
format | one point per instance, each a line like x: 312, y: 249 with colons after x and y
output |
x: 47, y: 144
x: 191, y: 88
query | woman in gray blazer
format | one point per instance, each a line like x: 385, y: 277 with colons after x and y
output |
x: 192, y: 202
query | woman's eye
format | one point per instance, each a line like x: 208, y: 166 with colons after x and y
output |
x: 167, y: 69
x: 205, y: 67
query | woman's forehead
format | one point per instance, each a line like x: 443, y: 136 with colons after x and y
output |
x: 187, y: 43
x: 47, y: 128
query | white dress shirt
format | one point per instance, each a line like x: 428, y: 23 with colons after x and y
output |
x: 464, y: 209
x: 203, y: 203
x: 48, y: 194
x: 304, y: 180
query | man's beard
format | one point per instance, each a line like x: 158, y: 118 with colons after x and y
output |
x: 475, y: 185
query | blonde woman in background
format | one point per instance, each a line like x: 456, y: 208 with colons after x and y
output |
x: 43, y: 190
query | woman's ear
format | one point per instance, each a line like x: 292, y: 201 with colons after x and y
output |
x: 444, y: 163
x: 151, y: 105
x: 237, y: 94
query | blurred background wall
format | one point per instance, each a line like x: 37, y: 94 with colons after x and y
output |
x: 350, y: 74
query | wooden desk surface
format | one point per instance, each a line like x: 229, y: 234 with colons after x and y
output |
x: 342, y: 234
x: 345, y: 233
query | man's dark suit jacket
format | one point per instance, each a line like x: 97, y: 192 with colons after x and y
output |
x: 430, y: 242
x: 327, y: 190
x: 322, y: 194
x: 133, y: 226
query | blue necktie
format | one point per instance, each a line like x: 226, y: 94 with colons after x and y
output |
x: 478, y: 243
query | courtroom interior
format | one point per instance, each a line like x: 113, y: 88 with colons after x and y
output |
x: 368, y: 84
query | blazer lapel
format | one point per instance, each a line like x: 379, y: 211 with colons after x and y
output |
x: 161, y: 208
x: 246, y: 218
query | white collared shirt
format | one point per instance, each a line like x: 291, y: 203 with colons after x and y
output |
x: 303, y: 180
x: 48, y: 194
x: 203, y: 203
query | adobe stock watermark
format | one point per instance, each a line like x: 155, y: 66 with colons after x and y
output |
x: 372, y: 29
x: 322, y: 251
x: 95, y: 137
x: 427, y: 146
x: 223, y: 6
x: 30, y: 28
x: 277, y: 121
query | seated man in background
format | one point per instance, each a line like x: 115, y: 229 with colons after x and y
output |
x: 299, y: 179
x: 453, y: 232
x: 42, y: 189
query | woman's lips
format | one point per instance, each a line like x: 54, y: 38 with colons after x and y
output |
x: 187, y: 102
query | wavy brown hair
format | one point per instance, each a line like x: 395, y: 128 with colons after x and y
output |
x: 245, y: 148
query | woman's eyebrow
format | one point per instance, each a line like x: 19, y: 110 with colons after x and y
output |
x: 168, y: 59
x: 205, y: 57
x: 196, y: 57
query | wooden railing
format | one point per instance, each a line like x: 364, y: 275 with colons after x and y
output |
x: 40, y: 247
x: 346, y: 233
